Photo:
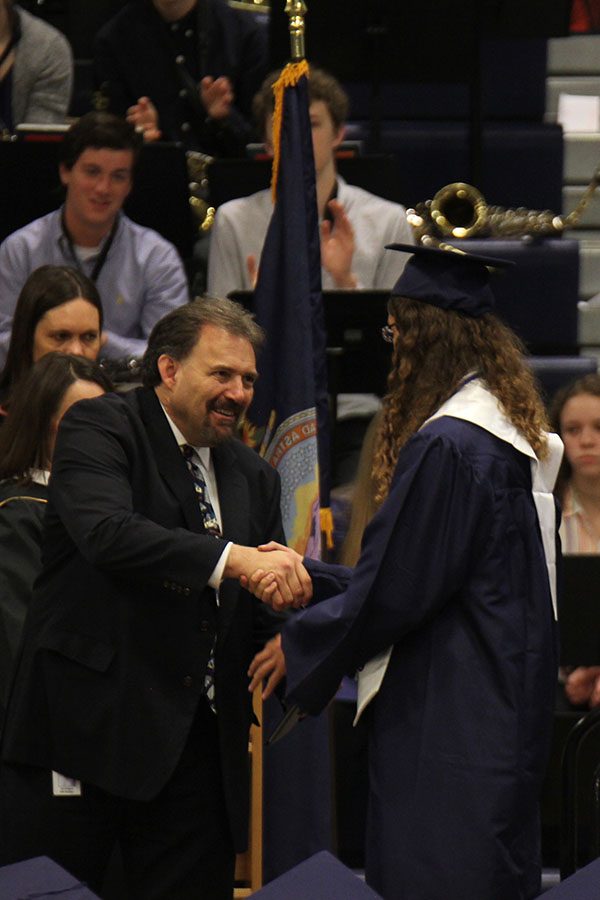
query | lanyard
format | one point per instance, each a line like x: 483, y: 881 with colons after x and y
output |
x: 101, y: 256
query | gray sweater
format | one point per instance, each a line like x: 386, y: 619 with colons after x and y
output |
x: 42, y: 73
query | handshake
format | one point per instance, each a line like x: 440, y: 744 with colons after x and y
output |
x: 272, y: 572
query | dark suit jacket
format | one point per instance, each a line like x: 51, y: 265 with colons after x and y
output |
x: 121, y: 622
x: 134, y: 56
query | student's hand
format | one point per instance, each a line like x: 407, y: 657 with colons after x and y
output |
x: 583, y: 686
x: 144, y: 116
x: 337, y: 247
x: 268, y: 664
x: 217, y: 96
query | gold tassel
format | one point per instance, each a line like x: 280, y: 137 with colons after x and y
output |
x: 290, y: 76
x: 327, y: 526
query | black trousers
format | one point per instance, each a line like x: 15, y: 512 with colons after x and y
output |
x: 176, y: 846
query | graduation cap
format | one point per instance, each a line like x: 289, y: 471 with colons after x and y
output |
x: 448, y: 278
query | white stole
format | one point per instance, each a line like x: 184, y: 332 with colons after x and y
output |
x: 473, y: 402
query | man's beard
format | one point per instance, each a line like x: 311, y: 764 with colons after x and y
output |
x: 210, y: 436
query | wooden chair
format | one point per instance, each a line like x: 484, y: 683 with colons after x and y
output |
x: 248, y: 865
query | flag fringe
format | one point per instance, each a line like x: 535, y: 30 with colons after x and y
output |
x: 290, y: 76
x: 327, y: 526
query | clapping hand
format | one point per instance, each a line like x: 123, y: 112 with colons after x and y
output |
x: 217, y: 96
x: 144, y: 116
x: 337, y: 247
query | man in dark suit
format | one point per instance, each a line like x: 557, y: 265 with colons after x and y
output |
x: 119, y: 729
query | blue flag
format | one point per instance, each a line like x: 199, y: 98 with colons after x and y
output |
x: 288, y: 416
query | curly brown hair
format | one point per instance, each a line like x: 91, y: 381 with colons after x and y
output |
x: 434, y: 350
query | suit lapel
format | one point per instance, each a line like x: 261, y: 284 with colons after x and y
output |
x: 233, y: 494
x: 169, y: 458
x: 235, y: 515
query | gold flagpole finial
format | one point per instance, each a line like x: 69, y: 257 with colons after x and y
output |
x: 296, y: 10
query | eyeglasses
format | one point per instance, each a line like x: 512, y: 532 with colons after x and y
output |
x: 387, y: 333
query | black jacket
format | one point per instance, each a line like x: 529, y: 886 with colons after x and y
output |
x: 135, y: 55
x: 122, y: 622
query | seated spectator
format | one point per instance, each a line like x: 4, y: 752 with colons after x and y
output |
x: 58, y: 309
x: 576, y: 417
x: 183, y: 70
x: 139, y: 274
x: 26, y: 445
x: 355, y: 227
x: 36, y: 69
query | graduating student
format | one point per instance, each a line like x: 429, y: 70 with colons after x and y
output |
x: 449, y: 612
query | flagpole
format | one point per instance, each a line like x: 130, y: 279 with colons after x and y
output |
x: 296, y: 10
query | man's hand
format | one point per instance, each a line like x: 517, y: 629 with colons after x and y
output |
x: 272, y: 571
x: 217, y: 96
x: 144, y: 116
x: 337, y: 247
x: 269, y: 664
x: 583, y: 686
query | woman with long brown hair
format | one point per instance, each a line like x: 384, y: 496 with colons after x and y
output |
x: 448, y: 616
x: 38, y: 403
x: 576, y: 417
x: 58, y: 309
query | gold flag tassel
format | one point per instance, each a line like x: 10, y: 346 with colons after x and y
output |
x: 290, y: 76
x: 327, y: 526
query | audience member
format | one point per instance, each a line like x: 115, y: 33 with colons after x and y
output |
x: 449, y: 614
x: 138, y: 273
x: 36, y: 69
x: 576, y: 417
x: 355, y: 226
x: 133, y: 675
x: 58, y: 309
x: 183, y: 70
x: 38, y: 403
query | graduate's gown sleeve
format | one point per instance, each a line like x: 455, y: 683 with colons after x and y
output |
x: 415, y: 555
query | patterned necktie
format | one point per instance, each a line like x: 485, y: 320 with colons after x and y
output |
x: 212, y: 526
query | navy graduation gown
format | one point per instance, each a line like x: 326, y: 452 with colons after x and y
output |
x: 453, y: 575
